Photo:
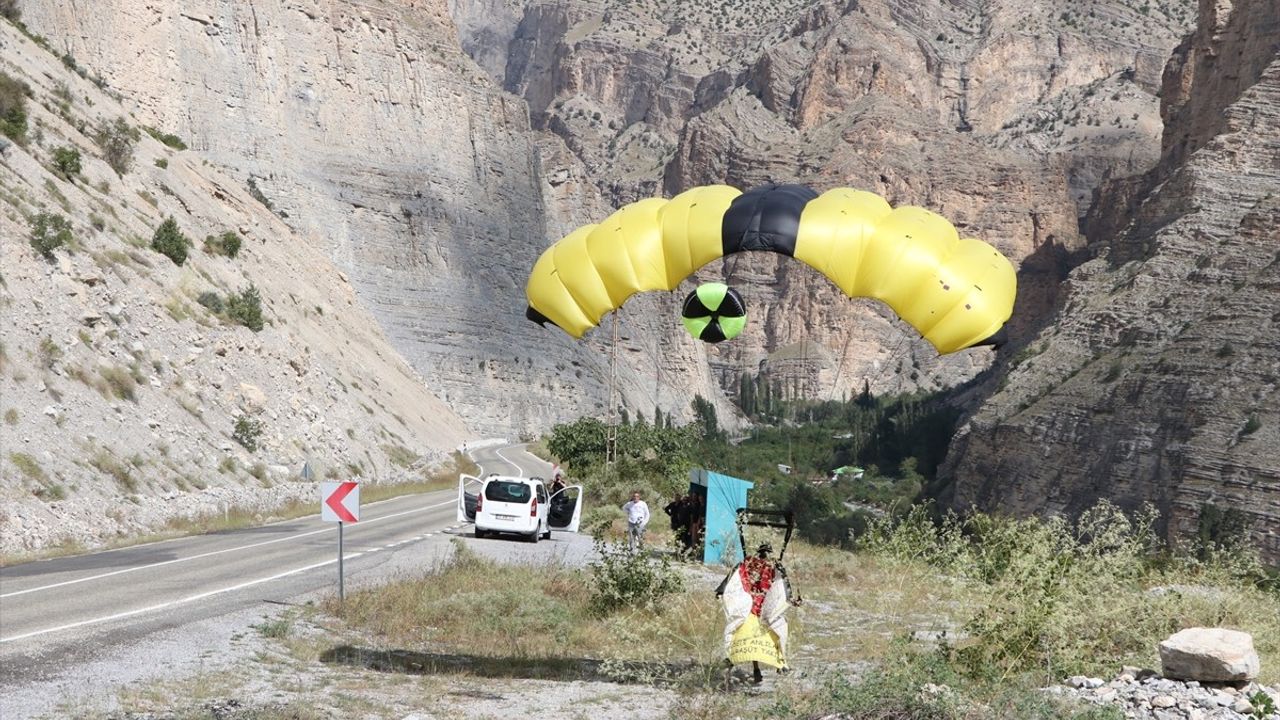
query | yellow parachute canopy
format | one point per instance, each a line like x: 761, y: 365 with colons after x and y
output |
x: 956, y: 292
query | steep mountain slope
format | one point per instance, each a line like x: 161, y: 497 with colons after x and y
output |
x: 434, y: 190
x: 378, y: 140
x: 1157, y: 381
x: 121, y: 389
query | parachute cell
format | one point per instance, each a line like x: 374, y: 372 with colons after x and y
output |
x: 955, y: 292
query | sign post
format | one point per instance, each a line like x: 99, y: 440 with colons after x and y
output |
x: 340, y: 503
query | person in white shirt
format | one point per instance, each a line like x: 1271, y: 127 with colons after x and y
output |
x: 637, y: 518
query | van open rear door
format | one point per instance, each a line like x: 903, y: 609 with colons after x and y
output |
x: 468, y: 488
x: 565, y: 511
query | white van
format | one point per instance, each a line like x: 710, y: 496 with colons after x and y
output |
x: 519, y: 506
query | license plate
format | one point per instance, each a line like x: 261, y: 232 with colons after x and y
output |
x: 505, y: 517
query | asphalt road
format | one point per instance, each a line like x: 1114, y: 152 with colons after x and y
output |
x: 61, y: 615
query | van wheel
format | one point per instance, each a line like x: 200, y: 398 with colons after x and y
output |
x: 480, y: 533
x: 547, y: 535
x: 534, y: 537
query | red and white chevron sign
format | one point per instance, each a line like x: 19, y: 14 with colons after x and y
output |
x: 340, y: 502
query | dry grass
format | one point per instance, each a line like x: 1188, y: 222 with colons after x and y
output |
x: 472, y: 606
x: 109, y: 464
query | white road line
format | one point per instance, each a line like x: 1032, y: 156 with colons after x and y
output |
x: 519, y: 470
x: 181, y: 601
x: 214, y: 552
x: 271, y: 524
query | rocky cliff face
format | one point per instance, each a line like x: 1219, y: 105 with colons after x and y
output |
x: 434, y: 190
x: 1157, y: 380
x: 120, y: 388
x: 1003, y: 116
x: 385, y: 146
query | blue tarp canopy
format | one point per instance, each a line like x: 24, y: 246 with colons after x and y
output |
x: 724, y: 496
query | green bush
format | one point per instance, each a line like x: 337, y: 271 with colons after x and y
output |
x: 169, y: 241
x: 169, y: 139
x: 245, y: 308
x: 66, y: 162
x: 13, y: 108
x: 247, y: 430
x: 228, y: 244
x: 1060, y: 598
x: 162, y: 163
x: 212, y: 301
x: 625, y: 579
x: 50, y: 232
x: 117, y: 138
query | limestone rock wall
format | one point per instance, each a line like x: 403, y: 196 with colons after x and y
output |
x: 1157, y: 380
x: 379, y: 141
x: 120, y: 389
x: 1002, y: 116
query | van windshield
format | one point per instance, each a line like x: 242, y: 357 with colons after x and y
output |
x: 503, y: 491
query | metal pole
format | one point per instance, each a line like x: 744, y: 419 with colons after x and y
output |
x: 341, y: 591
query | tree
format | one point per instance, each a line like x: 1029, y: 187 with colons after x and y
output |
x: 13, y: 108
x: 579, y: 443
x: 245, y: 308
x: 117, y: 138
x: 169, y: 241
x: 865, y: 398
x: 704, y: 414
x: 49, y: 232
x: 66, y: 162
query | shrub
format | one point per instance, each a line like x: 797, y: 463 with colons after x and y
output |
x: 10, y: 11
x: 228, y: 244
x: 622, y: 578
x: 66, y: 162
x: 1061, y: 598
x: 246, y: 432
x: 212, y: 301
x: 256, y: 194
x: 245, y: 308
x: 120, y: 382
x: 1251, y: 426
x: 49, y: 353
x: 169, y: 139
x: 162, y: 163
x: 50, y: 232
x: 170, y: 242
x: 13, y: 108
x: 117, y: 138
x: 28, y: 466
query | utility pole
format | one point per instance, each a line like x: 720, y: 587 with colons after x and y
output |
x: 611, y: 432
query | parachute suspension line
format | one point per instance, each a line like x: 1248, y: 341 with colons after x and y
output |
x: 844, y: 354
x: 611, y: 432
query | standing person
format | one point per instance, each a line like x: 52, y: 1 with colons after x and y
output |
x: 558, y: 484
x: 637, y: 518
x: 697, y: 514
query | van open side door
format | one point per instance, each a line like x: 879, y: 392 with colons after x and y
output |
x: 468, y: 489
x: 565, y: 511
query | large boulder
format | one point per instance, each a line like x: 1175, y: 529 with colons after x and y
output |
x: 1209, y: 655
